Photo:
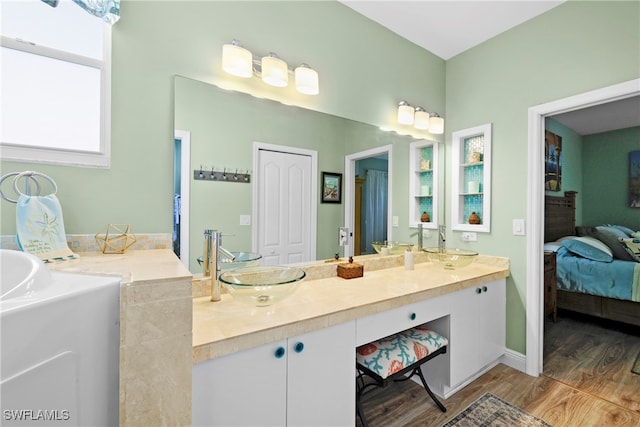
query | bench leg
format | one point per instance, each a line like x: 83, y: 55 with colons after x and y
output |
x: 426, y: 387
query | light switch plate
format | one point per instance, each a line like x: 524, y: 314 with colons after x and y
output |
x: 396, y: 221
x: 245, y: 219
x: 518, y: 227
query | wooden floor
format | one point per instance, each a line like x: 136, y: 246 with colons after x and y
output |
x: 587, y: 381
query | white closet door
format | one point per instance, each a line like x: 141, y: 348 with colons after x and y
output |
x: 284, y: 200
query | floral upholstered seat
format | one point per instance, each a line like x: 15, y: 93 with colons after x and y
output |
x: 392, y: 354
x: 390, y: 358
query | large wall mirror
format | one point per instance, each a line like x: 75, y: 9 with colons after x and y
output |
x: 222, y: 130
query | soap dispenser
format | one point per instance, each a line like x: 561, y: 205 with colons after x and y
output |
x: 408, y: 259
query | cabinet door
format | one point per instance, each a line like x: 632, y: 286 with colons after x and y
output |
x: 478, y: 323
x: 493, y: 315
x: 321, y: 377
x: 247, y: 388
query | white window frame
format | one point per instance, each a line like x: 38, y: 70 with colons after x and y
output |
x: 101, y: 159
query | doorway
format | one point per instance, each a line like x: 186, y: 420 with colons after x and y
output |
x: 181, y: 199
x: 370, y: 203
x: 284, y: 204
x: 350, y: 171
x: 535, y: 208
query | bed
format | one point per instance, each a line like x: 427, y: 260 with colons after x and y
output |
x: 596, y: 273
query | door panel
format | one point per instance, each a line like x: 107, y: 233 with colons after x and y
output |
x: 284, y: 202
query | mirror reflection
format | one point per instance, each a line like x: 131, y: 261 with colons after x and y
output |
x: 225, y: 127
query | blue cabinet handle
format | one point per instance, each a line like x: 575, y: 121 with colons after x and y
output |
x: 478, y: 291
x: 412, y: 316
x: 298, y: 347
x: 279, y: 353
x: 484, y: 289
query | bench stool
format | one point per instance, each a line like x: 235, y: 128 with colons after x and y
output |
x: 391, y: 358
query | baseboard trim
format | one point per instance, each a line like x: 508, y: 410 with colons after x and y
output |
x: 514, y: 360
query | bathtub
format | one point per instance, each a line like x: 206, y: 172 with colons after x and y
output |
x: 60, y: 339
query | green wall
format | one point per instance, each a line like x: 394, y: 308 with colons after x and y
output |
x: 606, y: 178
x: 576, y: 47
x: 156, y: 40
x: 364, y: 71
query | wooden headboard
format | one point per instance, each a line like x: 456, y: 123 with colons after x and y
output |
x: 559, y: 216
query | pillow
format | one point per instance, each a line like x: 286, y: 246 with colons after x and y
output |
x: 585, y: 230
x: 586, y: 250
x: 609, y: 236
x: 562, y: 239
x: 596, y: 244
x: 632, y: 246
x: 552, y: 246
x: 625, y: 230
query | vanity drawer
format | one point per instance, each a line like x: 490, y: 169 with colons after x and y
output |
x: 389, y: 322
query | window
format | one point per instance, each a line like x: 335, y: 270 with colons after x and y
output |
x: 55, y: 85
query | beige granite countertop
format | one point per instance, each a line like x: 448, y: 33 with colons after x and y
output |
x: 133, y: 266
x: 228, y: 326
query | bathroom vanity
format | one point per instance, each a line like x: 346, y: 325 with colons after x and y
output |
x: 294, y: 363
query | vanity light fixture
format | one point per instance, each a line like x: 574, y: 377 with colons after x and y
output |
x: 436, y: 124
x: 273, y: 70
x: 405, y: 113
x: 420, y: 118
x: 306, y: 80
x: 237, y: 60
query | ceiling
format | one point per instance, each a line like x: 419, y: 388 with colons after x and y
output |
x: 447, y: 28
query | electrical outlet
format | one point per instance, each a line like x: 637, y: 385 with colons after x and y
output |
x: 470, y: 236
x: 343, y: 237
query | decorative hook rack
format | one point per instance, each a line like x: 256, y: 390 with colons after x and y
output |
x: 224, y: 176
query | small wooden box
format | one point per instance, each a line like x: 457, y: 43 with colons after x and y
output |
x: 350, y: 270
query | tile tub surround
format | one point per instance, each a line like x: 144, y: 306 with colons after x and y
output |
x: 80, y: 243
x: 155, y: 333
x: 229, y: 326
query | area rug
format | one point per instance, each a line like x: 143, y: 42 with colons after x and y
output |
x: 636, y: 365
x: 490, y: 410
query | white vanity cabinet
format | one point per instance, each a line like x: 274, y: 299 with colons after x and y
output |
x: 478, y: 329
x: 306, y: 380
x: 473, y: 319
x: 387, y: 323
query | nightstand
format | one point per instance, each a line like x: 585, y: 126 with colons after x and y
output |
x: 550, y: 285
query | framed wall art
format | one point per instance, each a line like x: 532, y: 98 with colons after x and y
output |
x: 331, y: 187
x: 552, y: 161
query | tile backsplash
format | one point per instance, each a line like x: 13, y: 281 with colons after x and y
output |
x: 87, y: 242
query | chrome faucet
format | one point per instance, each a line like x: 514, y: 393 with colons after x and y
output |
x: 441, y: 238
x: 420, y: 236
x: 211, y: 260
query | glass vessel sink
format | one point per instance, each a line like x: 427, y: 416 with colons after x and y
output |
x: 395, y: 248
x: 451, y: 259
x: 262, y: 286
x: 242, y: 260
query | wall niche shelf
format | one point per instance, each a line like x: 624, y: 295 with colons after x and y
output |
x: 423, y: 183
x: 471, y: 179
